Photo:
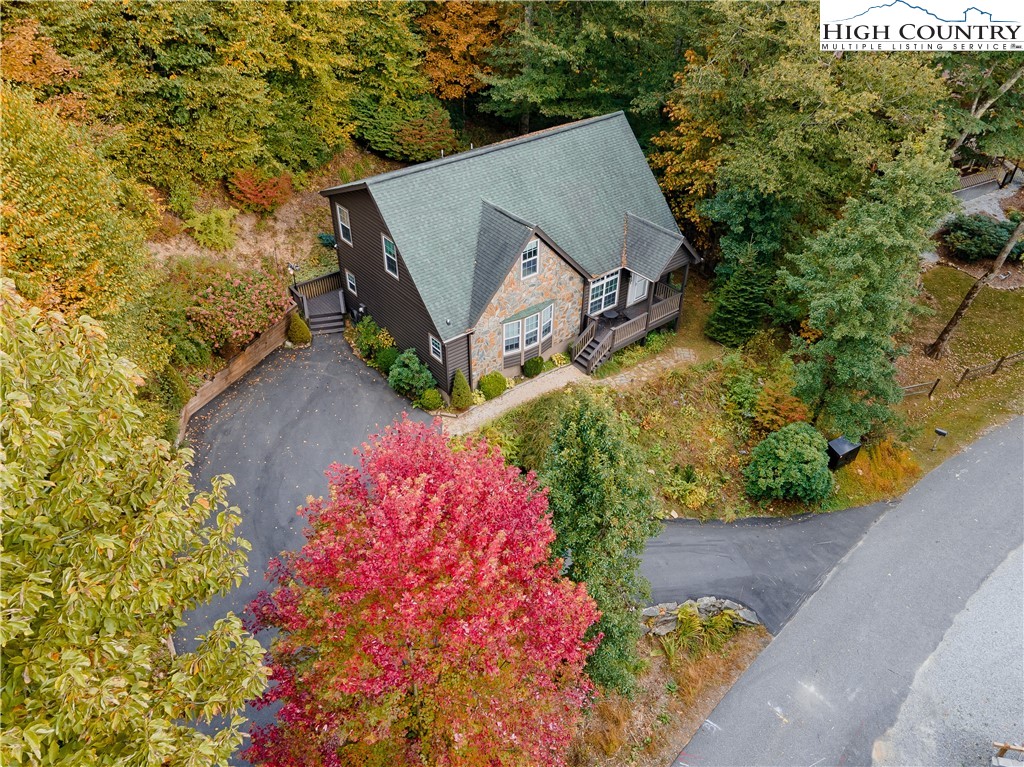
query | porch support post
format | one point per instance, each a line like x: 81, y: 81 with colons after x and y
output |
x: 682, y: 295
x: 650, y: 303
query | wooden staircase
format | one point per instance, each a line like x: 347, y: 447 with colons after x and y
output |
x: 594, y: 353
x: 322, y: 302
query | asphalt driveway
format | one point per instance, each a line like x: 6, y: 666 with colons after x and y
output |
x: 275, y: 432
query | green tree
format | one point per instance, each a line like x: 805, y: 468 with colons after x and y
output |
x: 986, y: 108
x: 104, y: 549
x: 602, y: 508
x: 567, y: 59
x: 762, y: 109
x: 71, y: 238
x: 857, y: 280
x: 741, y: 303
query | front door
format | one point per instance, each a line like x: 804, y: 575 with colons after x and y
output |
x: 637, y: 288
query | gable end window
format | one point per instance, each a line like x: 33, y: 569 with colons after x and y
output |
x: 344, y: 225
x: 604, y: 293
x: 350, y: 280
x: 390, y: 256
x: 530, y: 261
x: 436, y: 350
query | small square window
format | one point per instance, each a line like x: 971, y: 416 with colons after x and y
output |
x: 531, y: 259
x: 546, y: 318
x: 436, y: 350
x: 512, y: 336
x: 390, y: 257
x: 350, y: 280
x: 531, y: 330
x: 344, y: 227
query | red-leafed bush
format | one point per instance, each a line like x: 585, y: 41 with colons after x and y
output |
x: 257, y: 193
x: 424, y: 622
x: 235, y: 307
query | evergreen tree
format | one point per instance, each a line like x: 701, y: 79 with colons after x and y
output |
x: 741, y: 304
x: 857, y: 279
x: 105, y: 547
x: 602, y: 509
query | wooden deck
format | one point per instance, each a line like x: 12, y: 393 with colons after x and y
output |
x: 602, y: 337
x: 322, y: 302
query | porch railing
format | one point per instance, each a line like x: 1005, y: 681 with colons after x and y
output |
x: 318, y: 286
x: 663, y: 291
x: 665, y: 308
x: 629, y: 331
x: 582, y: 340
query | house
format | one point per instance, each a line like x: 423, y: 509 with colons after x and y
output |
x: 556, y: 241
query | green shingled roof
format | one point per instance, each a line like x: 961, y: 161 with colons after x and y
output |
x: 453, y: 219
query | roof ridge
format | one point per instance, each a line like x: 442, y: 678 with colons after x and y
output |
x: 479, y: 151
x: 677, y: 235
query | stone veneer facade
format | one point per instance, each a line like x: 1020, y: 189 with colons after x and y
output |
x: 555, y: 280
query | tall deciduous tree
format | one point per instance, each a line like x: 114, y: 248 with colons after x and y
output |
x: 762, y: 109
x: 602, y: 509
x: 104, y: 549
x: 424, y: 622
x: 857, y: 279
x: 940, y: 346
x: 987, y: 104
x: 459, y: 36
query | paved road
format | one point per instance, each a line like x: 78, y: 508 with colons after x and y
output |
x: 769, y: 565
x: 835, y: 678
x: 276, y: 432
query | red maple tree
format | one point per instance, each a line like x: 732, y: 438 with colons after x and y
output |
x: 424, y: 621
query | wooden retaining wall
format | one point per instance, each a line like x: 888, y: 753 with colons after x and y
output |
x: 237, y: 367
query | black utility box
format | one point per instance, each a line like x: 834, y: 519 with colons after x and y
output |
x: 841, y: 451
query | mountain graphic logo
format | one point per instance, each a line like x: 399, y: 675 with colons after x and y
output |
x: 903, y: 5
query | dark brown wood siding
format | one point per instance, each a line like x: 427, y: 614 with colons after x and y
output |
x: 456, y: 357
x: 678, y: 261
x: 394, y: 303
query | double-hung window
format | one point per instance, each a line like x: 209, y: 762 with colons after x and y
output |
x: 604, y: 293
x: 436, y: 350
x: 546, y: 318
x: 512, y: 337
x: 350, y: 280
x: 390, y: 256
x: 530, y: 262
x: 344, y: 225
x: 531, y: 327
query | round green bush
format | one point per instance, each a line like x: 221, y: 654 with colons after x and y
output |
x: 493, y: 384
x: 298, y: 330
x: 409, y: 376
x: 385, y: 359
x: 431, y: 400
x: 533, y: 367
x: 977, y: 236
x: 790, y: 463
x: 462, y: 396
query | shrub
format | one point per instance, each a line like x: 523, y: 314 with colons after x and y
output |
x: 409, y: 376
x: 431, y: 399
x: 741, y: 388
x: 533, y: 367
x: 790, y: 464
x: 258, y: 193
x: 974, y: 237
x: 560, y: 360
x: 214, y: 230
x: 777, y: 406
x: 371, y: 338
x: 235, y: 307
x: 298, y: 330
x: 462, y: 397
x: 493, y: 384
x: 329, y: 241
x: 385, y: 358
x: 410, y: 130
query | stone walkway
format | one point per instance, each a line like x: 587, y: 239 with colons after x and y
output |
x: 521, y: 393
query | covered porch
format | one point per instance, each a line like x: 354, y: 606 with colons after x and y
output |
x: 614, y: 329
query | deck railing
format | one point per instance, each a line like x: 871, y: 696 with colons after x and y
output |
x: 665, y: 308
x: 584, y: 338
x: 664, y: 291
x: 318, y: 286
x: 629, y: 331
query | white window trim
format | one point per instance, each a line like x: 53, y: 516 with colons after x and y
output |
x: 384, y: 240
x: 350, y: 283
x: 535, y: 246
x: 526, y: 344
x: 605, y: 306
x: 634, y: 279
x: 518, y: 337
x: 342, y: 226
x: 550, y: 311
x: 432, y: 340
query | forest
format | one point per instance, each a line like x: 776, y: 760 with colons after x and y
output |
x: 811, y: 181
